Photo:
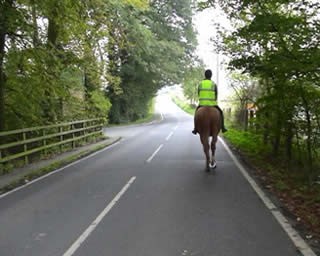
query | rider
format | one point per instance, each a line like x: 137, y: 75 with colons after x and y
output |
x: 208, y: 95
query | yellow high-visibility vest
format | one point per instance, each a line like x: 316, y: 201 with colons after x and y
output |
x: 207, y: 93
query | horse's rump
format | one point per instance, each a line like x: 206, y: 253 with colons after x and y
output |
x: 208, y: 121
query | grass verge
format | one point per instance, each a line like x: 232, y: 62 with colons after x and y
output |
x: 300, y: 201
x: 183, y: 105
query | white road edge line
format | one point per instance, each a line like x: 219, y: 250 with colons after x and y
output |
x: 169, y: 136
x: 176, y: 127
x: 96, y: 222
x: 154, y: 153
x: 298, y: 241
x: 58, y: 170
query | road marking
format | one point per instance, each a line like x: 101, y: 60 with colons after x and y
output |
x: 59, y: 169
x: 95, y: 223
x: 169, y: 136
x: 162, y: 116
x: 176, y: 127
x: 154, y: 153
x: 298, y: 241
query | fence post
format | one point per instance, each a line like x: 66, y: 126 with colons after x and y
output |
x: 84, y: 131
x: 73, y: 142
x: 39, y: 140
x: 95, y: 136
x: 44, y: 142
x: 61, y: 137
x: 25, y: 148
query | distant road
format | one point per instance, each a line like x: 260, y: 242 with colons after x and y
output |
x: 147, y: 195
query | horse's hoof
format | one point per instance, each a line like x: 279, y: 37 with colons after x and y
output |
x: 213, y: 165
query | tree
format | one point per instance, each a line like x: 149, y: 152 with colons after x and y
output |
x: 277, y: 42
x: 71, y: 59
x: 191, y: 81
x: 246, y: 93
x: 150, y: 50
x: 49, y: 62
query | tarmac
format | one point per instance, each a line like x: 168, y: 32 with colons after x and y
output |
x: 24, y: 174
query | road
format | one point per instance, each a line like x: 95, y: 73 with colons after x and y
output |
x: 147, y: 195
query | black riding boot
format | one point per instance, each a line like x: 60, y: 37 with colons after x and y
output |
x: 223, y: 128
x: 194, y: 131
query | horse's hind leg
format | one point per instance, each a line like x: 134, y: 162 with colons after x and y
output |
x: 205, y: 144
x: 213, y: 150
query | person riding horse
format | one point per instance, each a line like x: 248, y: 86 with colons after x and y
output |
x: 208, y: 95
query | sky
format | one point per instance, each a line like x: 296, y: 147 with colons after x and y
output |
x: 204, y: 23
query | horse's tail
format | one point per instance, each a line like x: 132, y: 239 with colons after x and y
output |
x: 208, y: 121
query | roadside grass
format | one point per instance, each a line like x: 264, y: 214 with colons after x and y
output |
x: 183, y: 105
x: 245, y: 141
x: 150, y: 115
x: 148, y: 118
x: 299, y: 200
x: 285, y: 181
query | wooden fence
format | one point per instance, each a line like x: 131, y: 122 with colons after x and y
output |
x: 25, y: 142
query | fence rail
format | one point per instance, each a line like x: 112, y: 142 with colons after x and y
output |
x: 24, y: 142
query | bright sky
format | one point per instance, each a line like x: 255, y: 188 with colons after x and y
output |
x: 204, y: 23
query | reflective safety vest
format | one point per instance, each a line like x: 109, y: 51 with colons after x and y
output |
x: 207, y: 93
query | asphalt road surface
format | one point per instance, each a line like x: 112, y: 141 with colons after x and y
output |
x: 147, y: 195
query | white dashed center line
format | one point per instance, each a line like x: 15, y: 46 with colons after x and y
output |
x: 154, y: 153
x: 169, y: 136
x: 74, y: 247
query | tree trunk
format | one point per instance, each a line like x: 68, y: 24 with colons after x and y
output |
x: 277, y: 136
x: 35, y: 37
x: 50, y: 105
x: 2, y: 81
x: 52, y: 32
x: 246, y: 119
x: 4, y: 8
x: 266, y: 127
x: 289, y: 138
x: 309, y: 136
x: 276, y: 143
x: 309, y: 143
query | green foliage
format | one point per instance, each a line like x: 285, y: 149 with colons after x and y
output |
x: 6, y: 168
x: 248, y: 142
x: 100, y: 105
x: 68, y: 59
x: 191, y: 81
x: 246, y: 92
x: 276, y: 43
x: 153, y: 53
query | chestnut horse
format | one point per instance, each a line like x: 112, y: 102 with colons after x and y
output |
x: 208, y: 124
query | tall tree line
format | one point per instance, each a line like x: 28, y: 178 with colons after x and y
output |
x: 68, y: 59
x: 154, y: 50
x: 277, y: 43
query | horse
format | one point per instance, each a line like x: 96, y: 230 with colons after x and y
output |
x: 208, y: 124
